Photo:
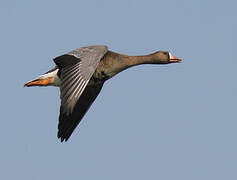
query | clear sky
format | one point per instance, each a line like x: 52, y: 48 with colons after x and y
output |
x: 175, y: 121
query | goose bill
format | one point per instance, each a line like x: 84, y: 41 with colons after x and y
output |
x: 174, y: 59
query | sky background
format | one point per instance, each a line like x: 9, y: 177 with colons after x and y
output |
x: 175, y: 121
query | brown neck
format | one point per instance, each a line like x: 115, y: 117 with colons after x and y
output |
x: 113, y: 63
x: 137, y: 60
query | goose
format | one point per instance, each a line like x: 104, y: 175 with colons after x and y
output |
x: 80, y: 75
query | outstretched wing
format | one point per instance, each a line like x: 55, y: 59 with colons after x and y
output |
x: 67, y: 123
x: 75, y: 71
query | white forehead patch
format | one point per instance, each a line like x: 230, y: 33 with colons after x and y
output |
x: 170, y: 55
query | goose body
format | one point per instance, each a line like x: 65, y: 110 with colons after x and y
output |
x: 80, y: 75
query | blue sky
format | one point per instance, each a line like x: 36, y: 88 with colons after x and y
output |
x: 176, y: 121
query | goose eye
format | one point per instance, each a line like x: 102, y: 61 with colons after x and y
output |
x: 165, y: 53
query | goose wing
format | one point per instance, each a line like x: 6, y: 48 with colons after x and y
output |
x: 75, y: 71
x: 67, y: 123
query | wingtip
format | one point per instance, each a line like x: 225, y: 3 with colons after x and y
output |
x: 62, y: 139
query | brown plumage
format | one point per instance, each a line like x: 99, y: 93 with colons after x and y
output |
x: 80, y: 74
